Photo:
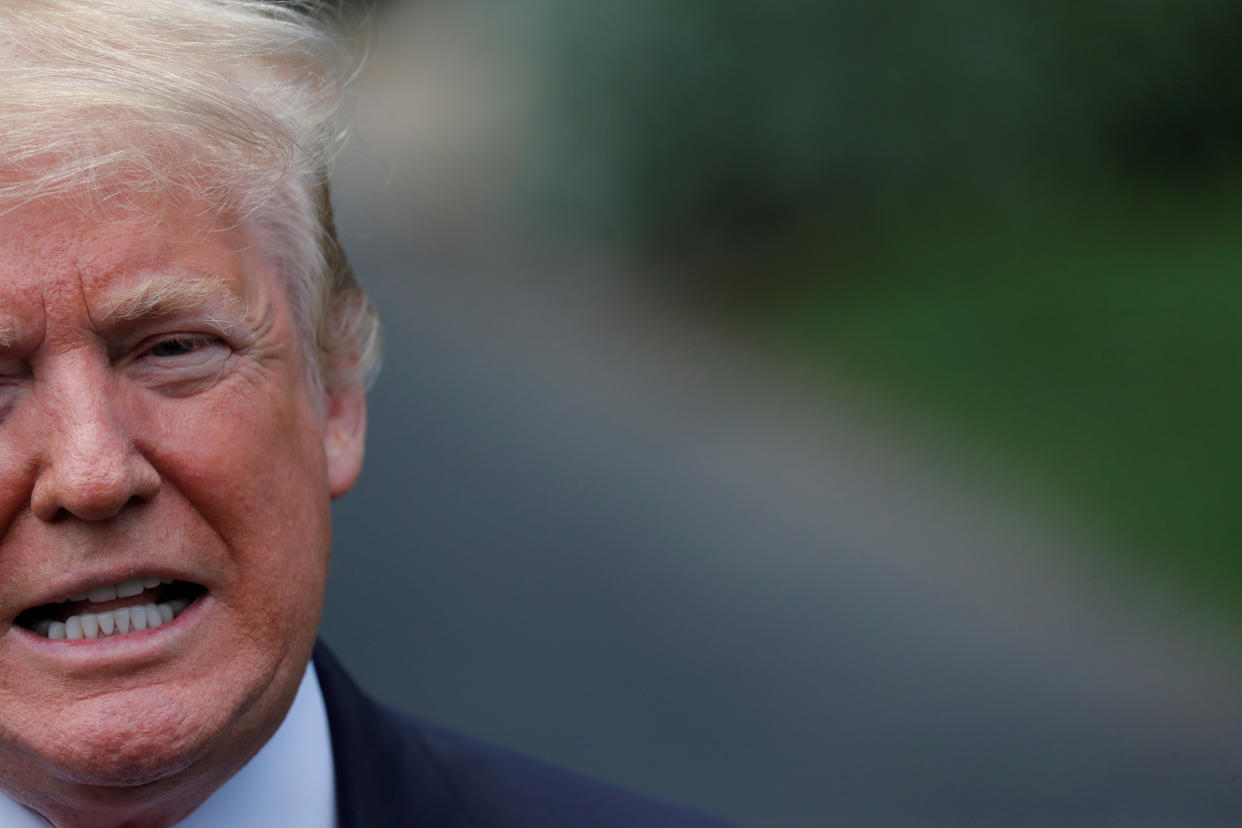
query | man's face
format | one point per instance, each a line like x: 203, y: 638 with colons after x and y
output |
x: 155, y: 423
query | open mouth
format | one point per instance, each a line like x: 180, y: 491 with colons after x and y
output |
x: 114, y: 609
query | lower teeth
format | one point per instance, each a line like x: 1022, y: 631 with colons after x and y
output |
x: 114, y: 622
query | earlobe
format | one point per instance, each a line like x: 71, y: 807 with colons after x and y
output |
x: 344, y: 436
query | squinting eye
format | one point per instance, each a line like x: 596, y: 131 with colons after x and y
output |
x: 178, y: 364
x: 178, y: 346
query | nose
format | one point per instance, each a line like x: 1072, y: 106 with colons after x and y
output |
x: 91, y: 468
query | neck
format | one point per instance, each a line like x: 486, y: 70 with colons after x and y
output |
x: 153, y: 805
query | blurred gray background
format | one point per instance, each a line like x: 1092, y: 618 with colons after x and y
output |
x: 605, y: 523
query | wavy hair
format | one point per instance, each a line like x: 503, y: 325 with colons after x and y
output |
x: 234, y: 103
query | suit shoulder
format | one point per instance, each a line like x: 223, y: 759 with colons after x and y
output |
x: 500, y: 787
x: 393, y: 768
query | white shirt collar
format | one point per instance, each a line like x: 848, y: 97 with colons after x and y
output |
x: 290, y: 780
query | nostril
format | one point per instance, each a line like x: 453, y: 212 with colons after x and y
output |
x: 82, y: 513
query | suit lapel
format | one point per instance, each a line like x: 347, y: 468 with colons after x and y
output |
x: 385, y: 774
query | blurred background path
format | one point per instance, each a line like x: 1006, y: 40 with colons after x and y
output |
x: 607, y: 533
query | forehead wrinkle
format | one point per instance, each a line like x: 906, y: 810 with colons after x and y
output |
x: 162, y: 296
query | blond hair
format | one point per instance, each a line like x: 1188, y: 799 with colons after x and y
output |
x: 236, y: 103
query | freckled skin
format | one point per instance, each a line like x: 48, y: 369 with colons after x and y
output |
x: 216, y: 466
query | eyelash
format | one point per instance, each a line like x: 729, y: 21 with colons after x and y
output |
x: 189, y: 343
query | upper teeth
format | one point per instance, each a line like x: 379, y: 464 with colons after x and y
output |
x: 119, y: 621
x: 125, y: 589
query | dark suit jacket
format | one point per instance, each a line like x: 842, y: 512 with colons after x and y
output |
x: 393, y: 769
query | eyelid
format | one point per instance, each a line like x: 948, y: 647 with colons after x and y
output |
x: 192, y: 342
x: 196, y: 341
x: 184, y: 337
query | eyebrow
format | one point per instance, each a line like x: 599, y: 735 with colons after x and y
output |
x: 163, y: 296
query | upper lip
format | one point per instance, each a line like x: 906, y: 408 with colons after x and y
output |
x: 80, y: 584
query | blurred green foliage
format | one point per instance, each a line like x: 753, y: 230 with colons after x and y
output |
x: 1095, y: 346
x: 1018, y: 216
x: 670, y: 122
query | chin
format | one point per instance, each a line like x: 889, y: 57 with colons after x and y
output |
x: 143, y: 736
x: 133, y: 738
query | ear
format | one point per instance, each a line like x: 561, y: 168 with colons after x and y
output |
x: 344, y: 436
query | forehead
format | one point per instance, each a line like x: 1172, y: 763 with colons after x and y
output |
x: 53, y: 253
x: 96, y: 241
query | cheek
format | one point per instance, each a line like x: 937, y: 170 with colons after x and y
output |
x: 252, y: 468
